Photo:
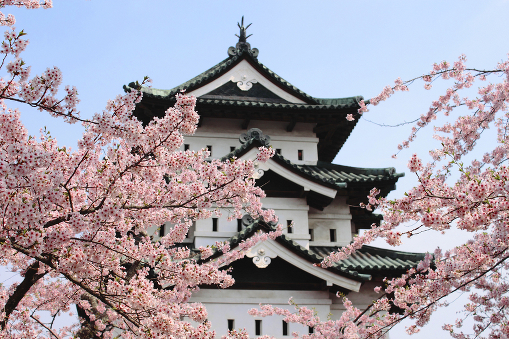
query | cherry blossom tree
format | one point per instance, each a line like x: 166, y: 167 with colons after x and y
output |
x: 462, y: 187
x: 74, y: 222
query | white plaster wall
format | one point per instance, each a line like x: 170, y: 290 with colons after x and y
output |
x: 335, y: 216
x: 234, y: 304
x: 295, y: 209
x: 222, y: 134
x: 271, y: 128
x: 364, y: 297
x: 203, y: 234
x: 227, y: 304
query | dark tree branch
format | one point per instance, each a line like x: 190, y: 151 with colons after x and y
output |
x: 31, y: 277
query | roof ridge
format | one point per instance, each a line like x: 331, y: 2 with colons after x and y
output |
x: 232, y: 60
x: 360, y: 170
x: 314, y: 172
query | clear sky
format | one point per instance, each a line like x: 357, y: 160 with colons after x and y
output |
x: 325, y: 48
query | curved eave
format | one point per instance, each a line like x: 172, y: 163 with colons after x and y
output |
x: 223, y: 67
x: 321, y: 175
x: 194, y: 83
x: 252, y: 226
x: 348, y: 175
x: 373, y: 260
x: 261, y: 104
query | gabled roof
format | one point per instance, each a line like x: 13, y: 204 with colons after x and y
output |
x: 353, y: 182
x: 251, y: 226
x: 332, y: 175
x: 230, y: 62
x: 360, y: 266
x: 227, y: 64
x: 329, y: 114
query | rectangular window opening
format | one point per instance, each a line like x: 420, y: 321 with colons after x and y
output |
x: 278, y: 150
x: 285, y: 328
x: 311, y: 235
x: 231, y: 324
x: 239, y: 225
x: 232, y: 148
x: 332, y: 235
x: 300, y: 154
x: 214, y: 224
x: 186, y: 147
x: 258, y: 327
x: 311, y: 330
x: 209, y: 148
x: 161, y: 230
x: 289, y: 226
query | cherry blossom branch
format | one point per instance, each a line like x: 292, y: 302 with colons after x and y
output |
x: 46, y: 327
x: 445, y: 295
x: 31, y: 277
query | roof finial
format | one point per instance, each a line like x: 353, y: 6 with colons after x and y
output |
x: 243, y: 37
x: 242, y: 46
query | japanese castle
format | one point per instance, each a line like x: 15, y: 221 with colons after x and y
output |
x: 244, y: 105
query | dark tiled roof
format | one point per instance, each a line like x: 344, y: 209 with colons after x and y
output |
x: 252, y: 226
x: 189, y: 85
x: 350, y: 101
x: 230, y: 62
x: 373, y: 259
x: 329, y: 113
x: 359, y: 266
x: 334, y: 175
x: 246, y: 103
x: 346, y: 174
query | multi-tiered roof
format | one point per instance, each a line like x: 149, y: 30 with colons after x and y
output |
x: 223, y: 94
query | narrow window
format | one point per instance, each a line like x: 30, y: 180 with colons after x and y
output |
x: 186, y: 147
x: 300, y: 154
x: 278, y: 150
x: 161, y: 230
x: 239, y: 225
x: 311, y: 330
x: 289, y: 226
x: 232, y: 148
x: 332, y: 235
x: 311, y: 235
x: 231, y: 324
x: 258, y: 327
x: 285, y: 328
x: 209, y: 148
x: 214, y: 224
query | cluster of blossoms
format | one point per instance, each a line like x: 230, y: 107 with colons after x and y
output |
x: 265, y: 154
x: 41, y: 90
x: 9, y: 20
x: 75, y: 223
x: 475, y: 199
x: 353, y: 323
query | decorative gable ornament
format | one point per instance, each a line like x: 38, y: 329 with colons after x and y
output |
x: 255, y: 134
x: 245, y: 84
x: 242, y: 46
x: 261, y: 255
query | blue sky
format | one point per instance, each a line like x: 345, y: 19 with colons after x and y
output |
x: 325, y: 48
